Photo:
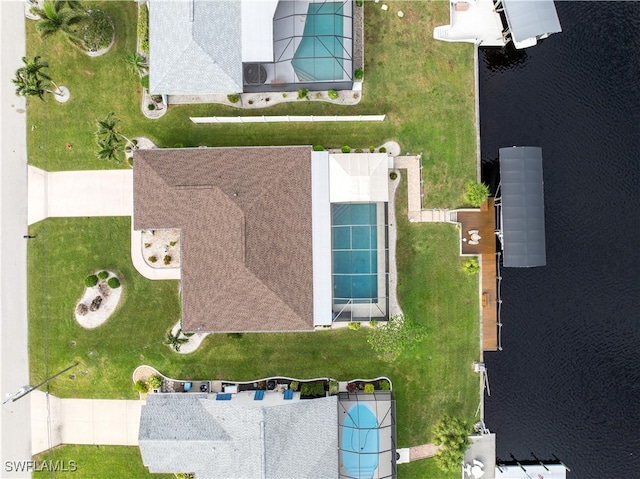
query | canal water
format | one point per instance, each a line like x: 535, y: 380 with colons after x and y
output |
x: 567, y: 381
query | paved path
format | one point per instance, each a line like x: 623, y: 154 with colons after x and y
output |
x: 15, y: 438
x: 57, y: 421
x: 79, y: 193
x: 414, y: 192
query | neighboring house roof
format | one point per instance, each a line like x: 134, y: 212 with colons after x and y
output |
x: 246, y: 232
x: 195, y: 47
x: 223, y: 439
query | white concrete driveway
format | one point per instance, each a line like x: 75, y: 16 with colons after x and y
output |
x: 79, y: 193
x: 57, y: 421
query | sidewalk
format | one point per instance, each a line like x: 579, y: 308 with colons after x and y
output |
x: 57, y: 421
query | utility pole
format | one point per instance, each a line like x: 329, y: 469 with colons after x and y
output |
x: 24, y: 390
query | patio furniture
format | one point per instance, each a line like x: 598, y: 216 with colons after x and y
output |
x: 223, y: 397
x: 473, y: 242
x: 187, y: 387
x: 288, y: 394
x: 204, y: 388
x: 476, y: 237
x: 259, y: 396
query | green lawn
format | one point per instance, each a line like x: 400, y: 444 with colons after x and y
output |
x: 95, y: 462
x: 425, y: 87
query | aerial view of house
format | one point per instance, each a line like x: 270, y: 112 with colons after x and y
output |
x: 294, y: 238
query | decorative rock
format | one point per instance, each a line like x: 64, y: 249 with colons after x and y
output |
x: 95, y: 304
x: 82, y: 310
x: 104, y: 289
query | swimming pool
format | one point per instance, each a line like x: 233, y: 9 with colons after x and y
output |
x: 319, y: 55
x: 360, y: 442
x: 355, y: 253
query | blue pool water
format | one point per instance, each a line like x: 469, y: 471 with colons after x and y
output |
x: 360, y: 442
x: 355, y: 253
x: 319, y: 55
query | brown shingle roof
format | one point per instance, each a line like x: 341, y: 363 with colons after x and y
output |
x: 245, y: 216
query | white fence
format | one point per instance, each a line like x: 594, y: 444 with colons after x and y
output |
x: 285, y: 118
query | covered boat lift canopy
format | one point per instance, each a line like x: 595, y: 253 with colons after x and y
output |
x: 530, y: 20
x: 521, y: 207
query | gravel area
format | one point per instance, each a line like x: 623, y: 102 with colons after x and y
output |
x: 161, y: 243
x: 110, y: 300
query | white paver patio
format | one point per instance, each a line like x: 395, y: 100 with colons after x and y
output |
x: 79, y: 193
x: 57, y: 421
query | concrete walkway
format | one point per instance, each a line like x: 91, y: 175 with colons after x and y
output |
x: 414, y: 192
x: 79, y: 193
x: 56, y: 421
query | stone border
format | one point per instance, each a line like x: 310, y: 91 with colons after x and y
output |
x: 65, y: 94
x: 194, y: 341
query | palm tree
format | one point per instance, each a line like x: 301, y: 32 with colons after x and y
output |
x: 108, y: 150
x: 107, y: 129
x: 31, y: 80
x: 56, y: 18
x: 137, y: 63
x: 175, y: 341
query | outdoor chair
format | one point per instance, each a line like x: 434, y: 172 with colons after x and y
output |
x: 187, y: 387
x: 288, y: 394
x: 259, y: 396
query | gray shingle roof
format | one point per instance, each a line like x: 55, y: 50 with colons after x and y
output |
x: 195, y: 46
x: 245, y: 216
x: 531, y: 18
x: 223, y: 439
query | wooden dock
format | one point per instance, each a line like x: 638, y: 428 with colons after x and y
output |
x: 484, y: 222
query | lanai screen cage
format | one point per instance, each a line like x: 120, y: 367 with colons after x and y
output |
x: 367, y: 435
x: 360, y: 256
x: 312, y: 43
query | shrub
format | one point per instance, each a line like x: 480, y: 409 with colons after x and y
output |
x: 384, y: 385
x: 382, y: 149
x: 147, y: 245
x: 352, y: 387
x: 103, y: 275
x: 346, y: 149
x: 471, y: 266
x: 166, y: 259
x: 173, y: 243
x: 294, y: 385
x: 90, y: 281
x: 358, y: 74
x: 185, y: 475
x: 141, y: 387
x: 144, y: 81
x: 143, y: 27
x: 233, y: 97
x: 372, y: 149
x: 358, y: 150
x: 250, y: 102
x: 178, y: 145
x: 234, y: 335
x: 152, y: 259
x: 154, y: 382
x: 359, y: 3
x: 332, y: 94
x: 312, y: 389
x: 113, y: 283
x: 303, y: 93
x: 475, y: 193
x: 393, y: 175
x: 156, y: 98
x: 333, y: 387
x: 96, y: 30
x: 373, y: 323
x: 369, y: 389
x: 354, y: 325
x: 284, y: 95
x: 151, y: 107
x: 318, y: 95
x: 453, y: 434
x: 318, y: 148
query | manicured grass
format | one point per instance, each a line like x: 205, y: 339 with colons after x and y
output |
x: 95, y: 462
x: 425, y: 87
x: 433, y: 380
x: 424, y: 469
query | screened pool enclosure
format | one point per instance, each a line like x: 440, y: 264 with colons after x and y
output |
x: 312, y: 48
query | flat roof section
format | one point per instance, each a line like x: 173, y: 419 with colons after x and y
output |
x: 531, y: 19
x: 359, y: 177
x: 523, y: 233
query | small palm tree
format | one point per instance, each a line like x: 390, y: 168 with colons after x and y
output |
x: 175, y: 340
x: 55, y: 18
x: 108, y: 131
x: 137, y: 63
x: 108, y: 150
x: 31, y: 80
